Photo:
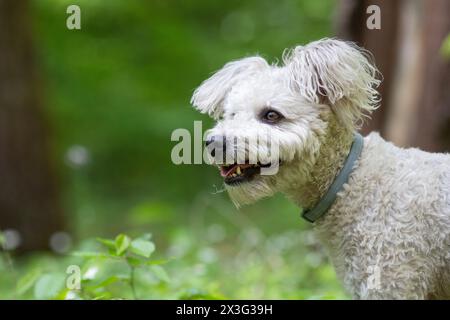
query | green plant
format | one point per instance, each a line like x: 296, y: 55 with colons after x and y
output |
x: 98, y: 274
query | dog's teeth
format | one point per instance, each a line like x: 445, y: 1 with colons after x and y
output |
x: 238, y: 170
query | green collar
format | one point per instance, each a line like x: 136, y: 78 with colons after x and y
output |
x: 327, y: 200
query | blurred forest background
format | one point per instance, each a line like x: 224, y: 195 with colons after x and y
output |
x: 85, y: 123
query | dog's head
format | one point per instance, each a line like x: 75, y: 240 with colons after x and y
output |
x: 269, y: 116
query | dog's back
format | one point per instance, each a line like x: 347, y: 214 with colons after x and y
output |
x: 394, y: 217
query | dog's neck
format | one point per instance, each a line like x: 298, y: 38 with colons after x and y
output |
x: 334, y: 148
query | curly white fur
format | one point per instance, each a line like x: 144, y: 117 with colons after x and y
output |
x: 388, y: 232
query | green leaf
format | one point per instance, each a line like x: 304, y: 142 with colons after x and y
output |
x: 27, y: 281
x: 156, y: 262
x: 160, y: 273
x: 48, y: 286
x: 142, y: 247
x: 104, y: 296
x: 110, y: 280
x: 135, y: 262
x: 122, y: 243
x: 91, y: 254
x: 107, y: 242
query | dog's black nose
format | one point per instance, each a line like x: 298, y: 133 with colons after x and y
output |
x: 215, y: 142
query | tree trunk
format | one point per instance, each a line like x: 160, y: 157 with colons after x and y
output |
x: 351, y: 25
x: 433, y: 120
x: 28, y: 194
x: 415, y: 108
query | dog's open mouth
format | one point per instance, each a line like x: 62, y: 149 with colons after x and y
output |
x: 237, y: 173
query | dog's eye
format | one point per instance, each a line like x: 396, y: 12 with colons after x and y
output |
x: 271, y: 116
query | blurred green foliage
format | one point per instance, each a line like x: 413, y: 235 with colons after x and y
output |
x: 445, y: 49
x: 117, y: 88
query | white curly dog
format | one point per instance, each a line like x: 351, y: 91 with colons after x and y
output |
x: 381, y: 212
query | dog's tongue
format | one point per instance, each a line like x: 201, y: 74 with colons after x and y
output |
x: 225, y: 171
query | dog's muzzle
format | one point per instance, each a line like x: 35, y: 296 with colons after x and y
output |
x: 232, y: 171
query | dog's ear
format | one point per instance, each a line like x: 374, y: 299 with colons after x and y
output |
x: 209, y: 96
x: 337, y: 73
